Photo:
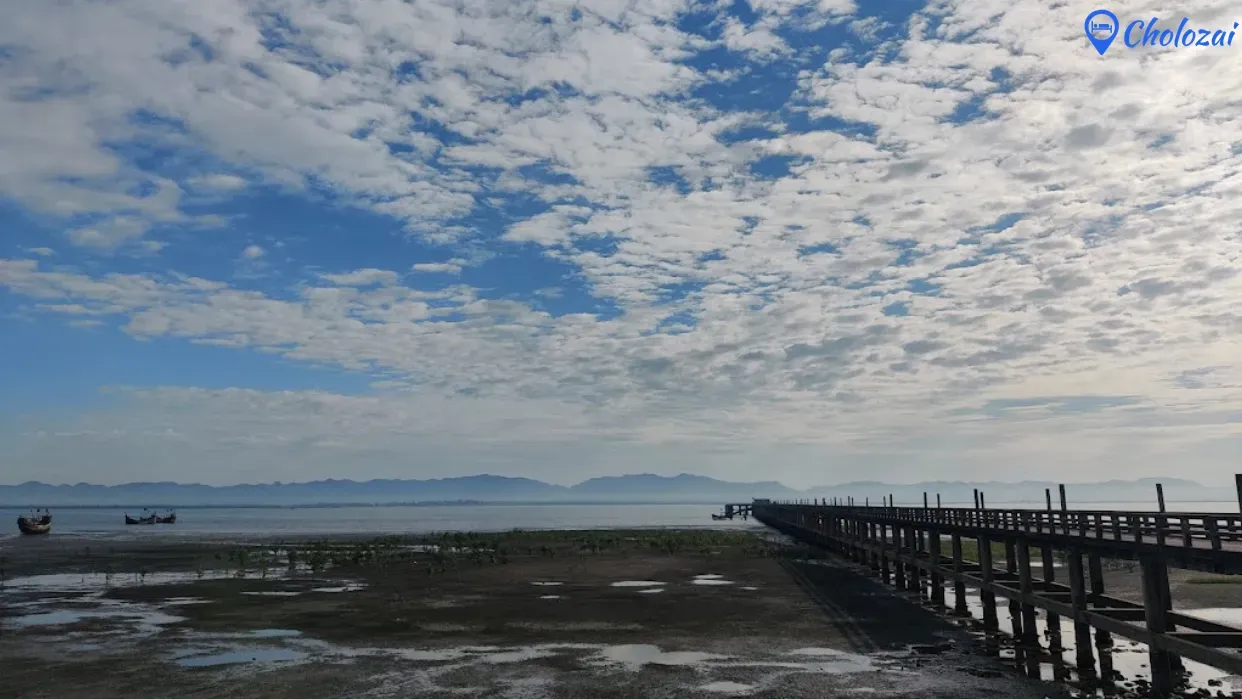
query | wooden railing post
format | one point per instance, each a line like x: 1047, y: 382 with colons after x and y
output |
x: 1064, y: 510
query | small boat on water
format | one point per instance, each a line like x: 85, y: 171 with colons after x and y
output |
x: 145, y: 519
x: 170, y: 518
x: 719, y: 517
x: 38, y: 522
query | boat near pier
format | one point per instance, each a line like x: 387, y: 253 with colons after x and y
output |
x: 38, y: 522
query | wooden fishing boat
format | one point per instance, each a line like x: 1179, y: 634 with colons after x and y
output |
x: 170, y: 518
x: 149, y: 519
x: 718, y: 517
x: 37, y: 523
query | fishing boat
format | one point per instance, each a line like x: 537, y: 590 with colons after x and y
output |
x: 38, y: 522
x: 719, y: 517
x: 170, y: 518
x: 145, y: 519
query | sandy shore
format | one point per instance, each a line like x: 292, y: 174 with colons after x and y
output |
x: 611, y: 614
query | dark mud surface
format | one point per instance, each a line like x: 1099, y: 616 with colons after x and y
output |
x: 549, y: 616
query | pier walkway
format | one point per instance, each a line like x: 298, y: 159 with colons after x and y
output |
x: 921, y: 549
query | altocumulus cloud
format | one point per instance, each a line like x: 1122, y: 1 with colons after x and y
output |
x: 947, y: 241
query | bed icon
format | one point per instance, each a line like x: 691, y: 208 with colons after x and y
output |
x: 1102, y: 27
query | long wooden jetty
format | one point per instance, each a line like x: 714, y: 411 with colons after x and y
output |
x: 906, y: 546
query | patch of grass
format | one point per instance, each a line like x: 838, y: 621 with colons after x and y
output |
x: 1215, y: 580
x: 970, y: 552
x: 440, y: 552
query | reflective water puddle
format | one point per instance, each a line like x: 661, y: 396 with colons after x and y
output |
x: 205, y: 658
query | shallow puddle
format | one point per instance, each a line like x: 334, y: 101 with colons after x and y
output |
x: 636, y: 583
x: 275, y: 633
x: 148, y: 620
x: 1230, y: 616
x: 1127, y: 660
x: 519, y: 655
x: 201, y: 658
x: 79, y: 582
x: 727, y: 687
x: 638, y: 655
x: 348, y: 587
x: 830, y: 661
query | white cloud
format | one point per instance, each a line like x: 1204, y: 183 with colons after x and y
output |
x: 759, y: 40
x: 219, y: 182
x: 1095, y: 332
x: 252, y: 252
x: 110, y: 232
x: 437, y: 267
x: 363, y: 277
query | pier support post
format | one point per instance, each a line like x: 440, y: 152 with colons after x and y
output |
x: 1030, y: 634
x: 874, y: 556
x: 1050, y: 576
x: 987, y: 596
x: 856, y: 541
x: 1015, y: 607
x: 959, y: 587
x: 1084, y: 656
x: 1155, y: 574
x: 885, y: 573
x: 899, y: 567
x: 914, y: 574
x: 937, y: 580
x: 924, y: 573
x: 1103, y: 639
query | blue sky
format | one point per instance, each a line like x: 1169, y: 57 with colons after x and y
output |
x: 285, y: 240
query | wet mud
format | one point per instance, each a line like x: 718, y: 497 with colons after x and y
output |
x: 541, y: 616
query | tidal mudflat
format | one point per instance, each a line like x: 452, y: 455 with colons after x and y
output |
x: 520, y: 614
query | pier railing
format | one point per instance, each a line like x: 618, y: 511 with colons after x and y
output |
x: 1111, y: 529
x: 905, y: 545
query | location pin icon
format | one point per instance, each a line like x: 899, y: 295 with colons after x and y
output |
x: 1098, y: 24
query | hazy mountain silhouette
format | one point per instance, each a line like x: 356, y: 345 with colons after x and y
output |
x: 645, y: 487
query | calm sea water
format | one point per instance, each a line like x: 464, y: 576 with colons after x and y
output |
x: 108, y: 521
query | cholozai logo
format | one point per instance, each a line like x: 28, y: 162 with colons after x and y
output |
x: 1102, y: 28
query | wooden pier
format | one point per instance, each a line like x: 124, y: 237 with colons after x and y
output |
x: 906, y: 546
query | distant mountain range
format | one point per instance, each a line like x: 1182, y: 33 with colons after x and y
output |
x: 635, y: 488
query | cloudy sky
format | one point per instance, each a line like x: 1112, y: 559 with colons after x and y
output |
x: 812, y: 241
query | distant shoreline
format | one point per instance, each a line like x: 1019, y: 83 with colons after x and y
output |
x: 132, y: 507
x: 336, y: 505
